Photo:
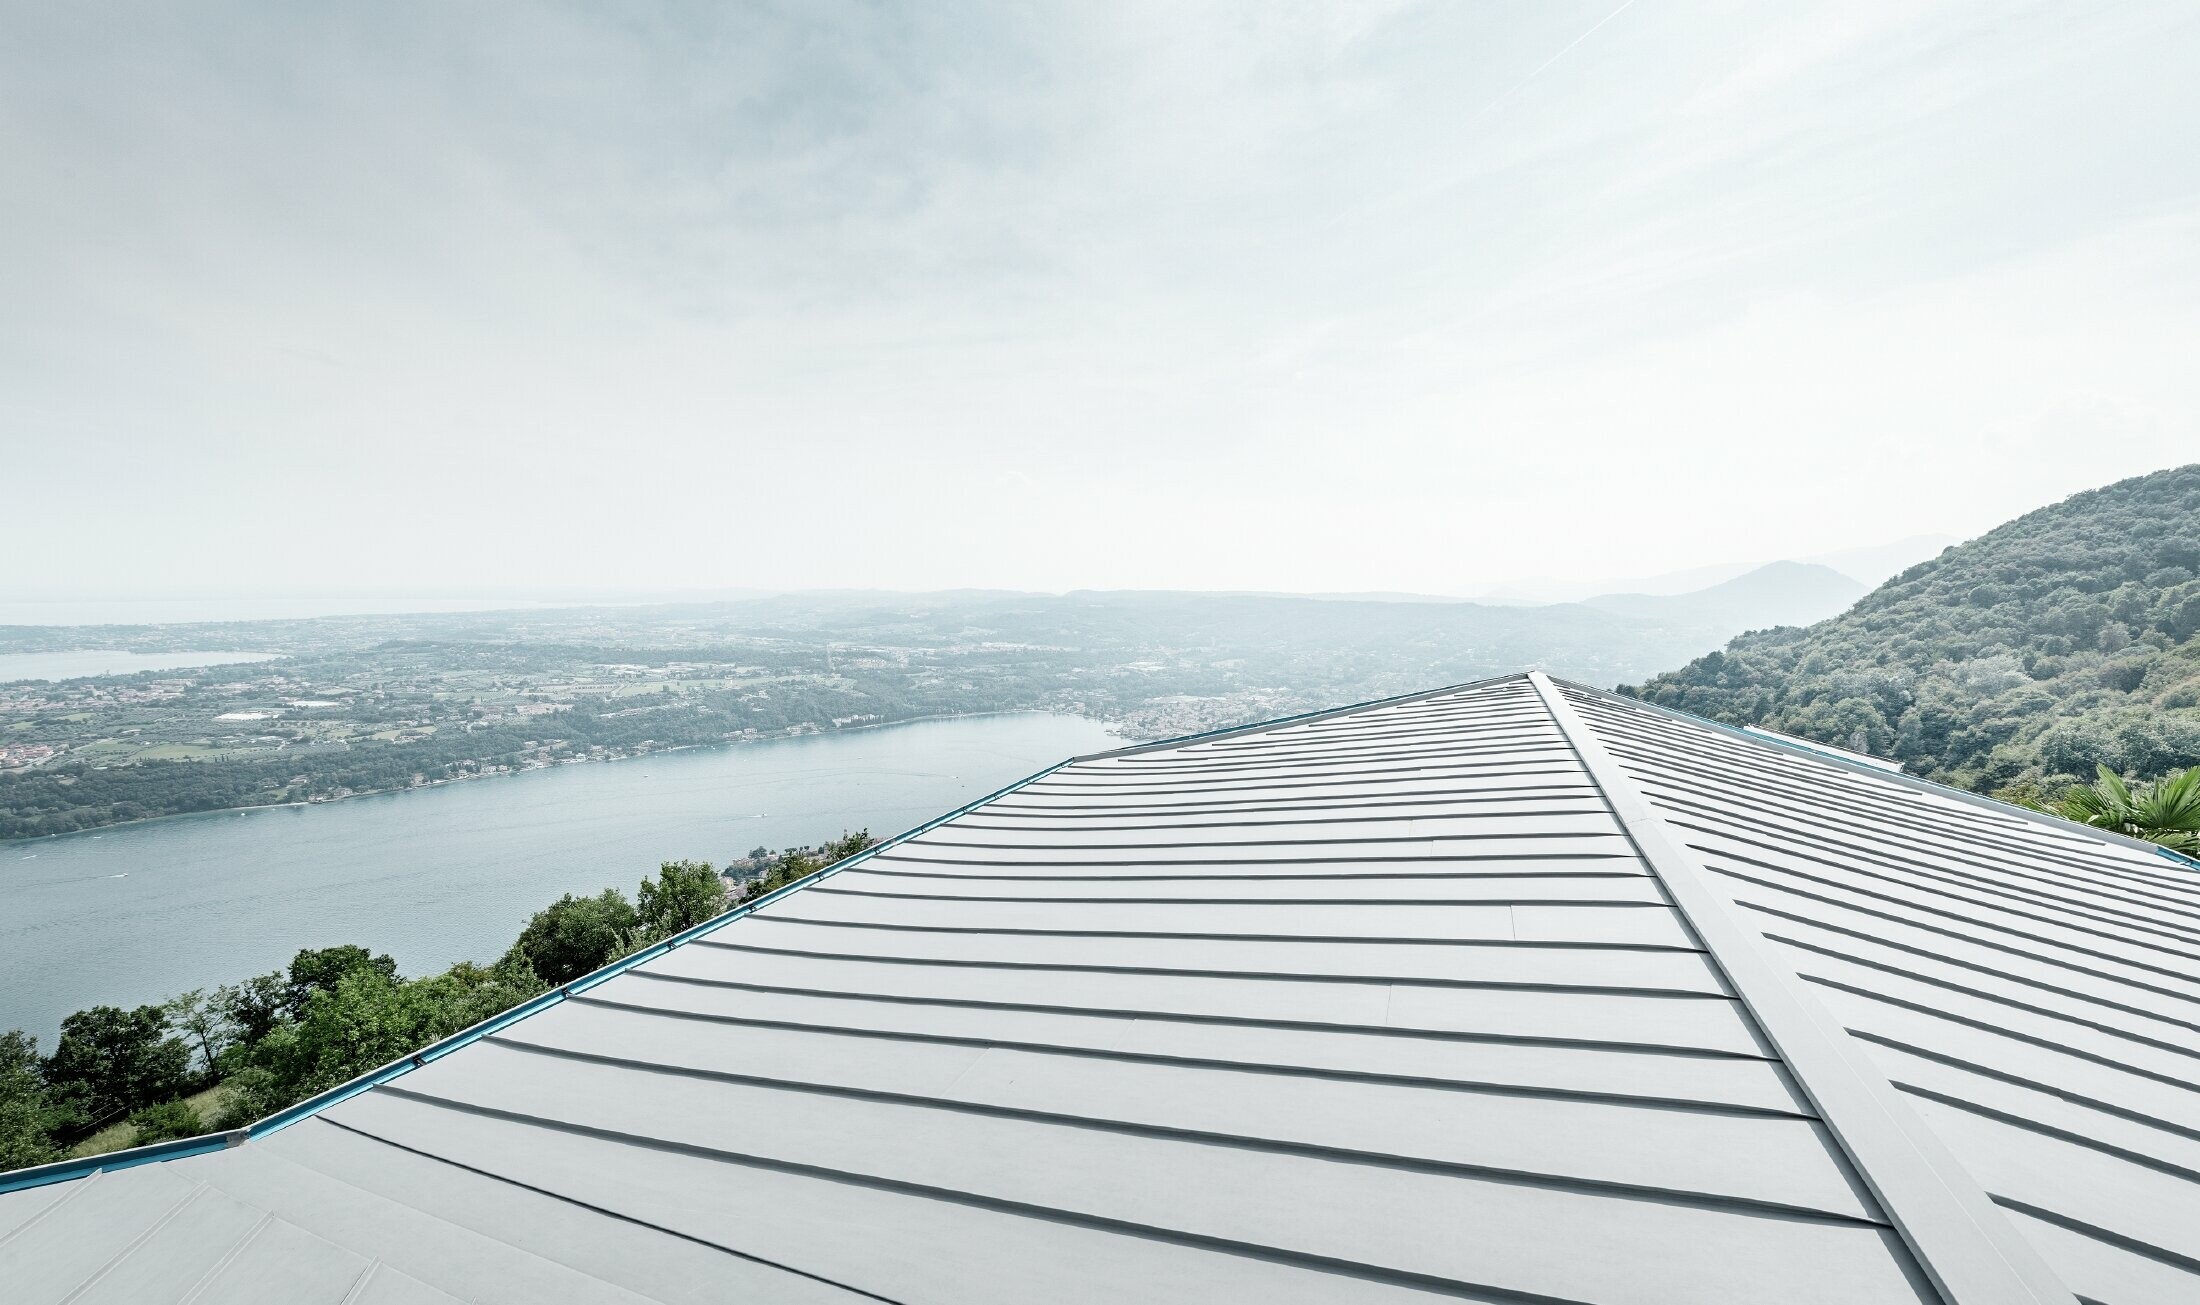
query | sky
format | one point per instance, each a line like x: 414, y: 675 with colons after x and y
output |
x: 1385, y: 296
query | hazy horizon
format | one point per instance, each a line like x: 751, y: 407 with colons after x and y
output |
x: 1391, y: 297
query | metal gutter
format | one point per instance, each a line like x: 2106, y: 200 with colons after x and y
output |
x: 64, y: 1170
x: 1960, y: 1239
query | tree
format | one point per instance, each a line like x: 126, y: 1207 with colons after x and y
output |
x: 110, y: 1060
x: 2165, y: 812
x: 252, y: 1007
x: 798, y: 864
x: 574, y: 935
x: 366, y: 1020
x: 166, y: 1120
x: 320, y: 969
x: 683, y: 895
x: 27, y: 1118
x: 199, y: 1017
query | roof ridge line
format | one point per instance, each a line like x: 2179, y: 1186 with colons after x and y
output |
x: 1958, y: 1237
x: 1302, y: 718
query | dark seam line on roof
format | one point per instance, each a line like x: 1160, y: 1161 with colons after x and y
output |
x: 1999, y: 1030
x: 1402, y: 1031
x: 1356, y: 774
x: 2051, y: 882
x: 2124, y: 1154
x: 1501, y: 836
x: 2145, y: 1250
x: 1959, y: 824
x: 2044, y: 1012
x: 1795, y: 754
x: 355, y: 1189
x: 992, y: 1204
x: 1888, y: 867
x: 1975, y: 967
x: 1470, y: 858
x: 1362, y: 726
x: 1928, y: 894
x: 1313, y: 938
x: 1869, y: 787
x: 1216, y: 1064
x: 1386, y: 876
x: 1926, y: 926
x: 310, y: 1107
x: 1301, y: 763
x: 1943, y: 1220
x: 1303, y: 718
x: 1203, y: 1137
x: 1370, y: 780
x: 2034, y: 1085
x: 605, y: 1211
x: 1247, y: 901
x: 1770, y: 763
x: 1909, y: 800
x: 1280, y: 860
x: 1920, y: 907
x: 1282, y: 976
x: 2049, y: 878
x: 1121, y: 822
x: 1447, y: 725
x: 1426, y: 734
x: 1409, y: 798
x: 1547, y: 814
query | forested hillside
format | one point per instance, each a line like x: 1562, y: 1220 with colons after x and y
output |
x: 2066, y: 638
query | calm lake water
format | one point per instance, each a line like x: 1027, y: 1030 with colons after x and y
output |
x: 139, y: 912
x: 107, y: 661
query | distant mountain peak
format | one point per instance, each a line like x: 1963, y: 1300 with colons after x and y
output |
x: 1777, y: 593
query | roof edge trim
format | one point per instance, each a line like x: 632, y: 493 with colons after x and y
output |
x: 1958, y: 1237
x: 65, y: 1170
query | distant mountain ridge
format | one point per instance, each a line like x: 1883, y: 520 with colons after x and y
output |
x: 1782, y: 593
x: 2065, y: 638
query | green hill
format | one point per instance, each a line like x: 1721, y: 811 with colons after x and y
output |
x: 2067, y: 637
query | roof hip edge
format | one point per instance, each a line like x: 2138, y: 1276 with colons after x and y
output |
x: 1962, y: 1242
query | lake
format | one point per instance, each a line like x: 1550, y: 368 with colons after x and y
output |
x: 107, y: 661
x: 139, y: 912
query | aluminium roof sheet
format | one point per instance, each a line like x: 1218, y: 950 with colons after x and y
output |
x: 1510, y: 992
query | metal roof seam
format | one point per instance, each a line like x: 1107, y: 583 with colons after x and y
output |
x: 1962, y: 1242
x: 1313, y: 1261
x: 1303, y: 718
x: 1486, y: 1087
x: 1402, y: 1031
x: 1613, y: 1189
x: 1918, y: 783
x: 313, y: 1105
x: 604, y: 1210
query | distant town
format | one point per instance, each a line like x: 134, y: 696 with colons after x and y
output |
x: 346, y: 705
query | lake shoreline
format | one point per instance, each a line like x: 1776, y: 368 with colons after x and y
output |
x: 141, y: 911
x: 798, y: 732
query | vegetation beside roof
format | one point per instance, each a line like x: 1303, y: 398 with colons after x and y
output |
x: 2017, y: 663
x: 211, y: 1061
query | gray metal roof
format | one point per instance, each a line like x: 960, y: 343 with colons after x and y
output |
x: 1511, y: 992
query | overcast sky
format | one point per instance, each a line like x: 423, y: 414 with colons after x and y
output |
x: 1350, y: 297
